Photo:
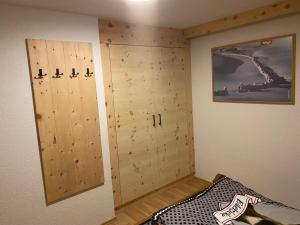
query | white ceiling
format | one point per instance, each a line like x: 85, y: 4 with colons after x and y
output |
x: 166, y: 13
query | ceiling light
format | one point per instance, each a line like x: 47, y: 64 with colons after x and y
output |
x: 137, y: 0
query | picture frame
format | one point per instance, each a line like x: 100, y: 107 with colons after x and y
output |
x: 260, y: 71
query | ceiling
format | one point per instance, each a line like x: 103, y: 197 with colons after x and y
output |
x: 165, y: 13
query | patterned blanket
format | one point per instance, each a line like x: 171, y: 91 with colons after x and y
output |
x: 226, y: 202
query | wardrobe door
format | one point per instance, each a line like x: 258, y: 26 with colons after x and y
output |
x: 171, y: 109
x: 132, y: 79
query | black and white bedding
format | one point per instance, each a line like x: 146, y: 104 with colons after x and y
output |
x: 226, y: 202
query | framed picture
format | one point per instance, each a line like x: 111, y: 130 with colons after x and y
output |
x: 260, y: 71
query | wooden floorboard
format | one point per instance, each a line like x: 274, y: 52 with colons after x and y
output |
x: 141, y: 210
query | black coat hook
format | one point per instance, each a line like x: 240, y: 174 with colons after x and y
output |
x: 57, y: 74
x: 160, y: 123
x: 40, y: 74
x: 74, y: 74
x: 153, y: 117
x: 88, y: 74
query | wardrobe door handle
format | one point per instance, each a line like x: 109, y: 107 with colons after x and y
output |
x: 159, y: 119
x: 153, y: 116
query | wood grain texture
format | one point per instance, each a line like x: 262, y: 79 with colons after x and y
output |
x: 132, y: 34
x: 282, y: 8
x: 170, y: 102
x: 149, y: 83
x: 189, y: 107
x: 111, y: 124
x: 134, y: 105
x: 140, y: 210
x: 90, y: 118
x: 146, y: 73
x: 67, y: 117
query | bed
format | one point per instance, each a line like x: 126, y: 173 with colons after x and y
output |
x: 226, y: 202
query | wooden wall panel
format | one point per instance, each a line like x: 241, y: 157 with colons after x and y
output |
x: 73, y: 111
x: 134, y: 104
x: 170, y: 106
x: 64, y: 166
x: 189, y: 107
x: 148, y: 81
x: 268, y: 12
x: 139, y: 62
x: 111, y: 124
x: 67, y: 117
x: 132, y: 34
x: 37, y: 51
x: 90, y: 116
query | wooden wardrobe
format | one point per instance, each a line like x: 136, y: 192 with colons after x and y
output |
x: 149, y: 109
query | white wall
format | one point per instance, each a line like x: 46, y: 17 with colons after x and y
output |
x: 22, y: 199
x: 257, y: 144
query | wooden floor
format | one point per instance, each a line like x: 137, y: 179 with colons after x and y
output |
x: 142, y: 209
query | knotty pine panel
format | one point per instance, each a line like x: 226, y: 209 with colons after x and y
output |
x: 112, y: 32
x: 67, y: 117
x: 148, y: 81
x: 170, y: 99
x: 133, y: 101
